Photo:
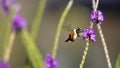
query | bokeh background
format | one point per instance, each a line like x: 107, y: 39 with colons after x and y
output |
x: 68, y: 54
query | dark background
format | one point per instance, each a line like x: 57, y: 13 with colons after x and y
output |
x: 69, y: 54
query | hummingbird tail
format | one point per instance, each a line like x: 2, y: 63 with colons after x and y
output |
x: 67, y: 40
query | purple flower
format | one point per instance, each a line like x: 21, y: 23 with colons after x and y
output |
x: 50, y: 62
x: 89, y: 34
x: 97, y: 17
x: 6, y: 4
x: 18, y: 22
x: 4, y: 64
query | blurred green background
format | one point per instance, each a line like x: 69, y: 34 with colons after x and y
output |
x: 68, y: 54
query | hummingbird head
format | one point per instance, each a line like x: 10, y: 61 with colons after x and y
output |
x: 79, y: 31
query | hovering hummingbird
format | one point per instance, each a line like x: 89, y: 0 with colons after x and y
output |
x: 74, y: 34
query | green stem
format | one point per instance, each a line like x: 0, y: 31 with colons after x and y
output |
x: 33, y: 53
x: 8, y: 28
x: 38, y: 19
x: 117, y: 64
x: 60, y: 24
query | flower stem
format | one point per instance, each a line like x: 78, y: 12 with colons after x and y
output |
x: 8, y: 29
x: 85, y: 53
x: 95, y: 5
x: 33, y: 53
x: 38, y: 19
x: 117, y: 64
x: 59, y: 28
x: 104, y: 46
x: 9, y: 47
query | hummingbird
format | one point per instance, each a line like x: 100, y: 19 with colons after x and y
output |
x: 74, y: 34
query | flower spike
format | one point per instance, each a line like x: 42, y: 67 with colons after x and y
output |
x: 18, y: 22
x: 97, y: 17
x: 89, y: 34
x: 50, y: 62
x: 4, y: 64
